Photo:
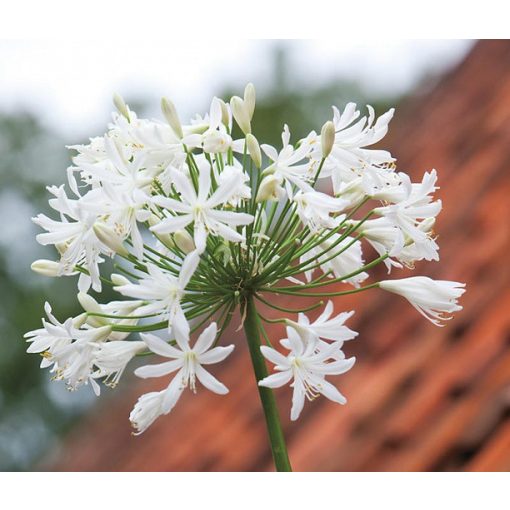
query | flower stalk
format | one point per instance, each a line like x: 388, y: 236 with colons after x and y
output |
x: 274, y: 428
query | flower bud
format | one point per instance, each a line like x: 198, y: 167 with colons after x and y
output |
x: 240, y: 113
x: 225, y: 114
x: 269, y: 189
x: 90, y: 305
x: 171, y: 116
x: 184, y: 241
x: 110, y: 239
x: 327, y: 138
x: 118, y: 279
x: 45, y: 267
x: 121, y: 105
x: 254, y: 149
x: 249, y: 99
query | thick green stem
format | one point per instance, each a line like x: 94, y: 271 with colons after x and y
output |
x: 274, y: 428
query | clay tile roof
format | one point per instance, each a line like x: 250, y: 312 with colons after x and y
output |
x: 420, y: 397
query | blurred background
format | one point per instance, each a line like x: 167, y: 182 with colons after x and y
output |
x: 420, y: 398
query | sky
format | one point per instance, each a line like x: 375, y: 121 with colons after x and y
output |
x: 69, y: 85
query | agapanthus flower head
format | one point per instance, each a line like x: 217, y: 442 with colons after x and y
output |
x: 200, y: 224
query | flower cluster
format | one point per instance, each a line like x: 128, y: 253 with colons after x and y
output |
x: 200, y: 220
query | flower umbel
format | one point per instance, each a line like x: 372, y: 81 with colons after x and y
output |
x: 198, y: 224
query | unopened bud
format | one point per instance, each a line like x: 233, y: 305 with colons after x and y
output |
x: 88, y: 303
x: 171, y: 116
x: 110, y: 239
x: 118, y: 279
x: 249, y: 99
x: 254, y: 149
x: 45, y: 267
x: 327, y: 138
x: 269, y: 189
x: 184, y: 241
x: 225, y: 114
x: 121, y: 106
x: 240, y: 113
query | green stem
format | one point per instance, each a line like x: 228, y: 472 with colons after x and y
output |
x: 274, y: 428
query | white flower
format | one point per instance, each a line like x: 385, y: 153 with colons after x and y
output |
x: 349, y: 158
x: 348, y: 259
x: 201, y: 210
x: 75, y: 240
x: 127, y: 173
x: 164, y: 292
x: 148, y: 408
x: 432, y: 298
x: 188, y: 363
x: 270, y: 189
x: 307, y: 365
x: 286, y: 165
x: 384, y: 237
x: 417, y: 205
x: 70, y: 349
x: 216, y: 139
x: 314, y: 209
x: 122, y: 211
x: 111, y: 359
x: 325, y: 326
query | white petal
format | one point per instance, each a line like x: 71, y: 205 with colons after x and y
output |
x: 273, y: 355
x: 181, y: 328
x: 298, y: 401
x: 206, y: 338
x: 172, y: 393
x: 210, y: 382
x: 276, y: 380
x: 215, y: 355
x: 172, y: 224
x: 159, y: 346
x: 231, y: 218
x: 183, y: 186
x: 204, y: 183
x: 329, y: 391
x: 159, y: 369
x: 189, y: 266
x: 171, y: 204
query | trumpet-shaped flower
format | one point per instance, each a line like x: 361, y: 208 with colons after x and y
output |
x: 187, y: 361
x: 200, y: 209
x: 306, y: 365
x: 288, y: 165
x: 432, y: 298
x: 164, y: 291
x: 417, y: 205
x: 325, y: 326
